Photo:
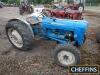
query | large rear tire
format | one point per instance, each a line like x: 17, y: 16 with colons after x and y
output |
x: 81, y: 8
x: 19, y: 35
x: 30, y: 9
x: 66, y: 55
x: 98, y: 35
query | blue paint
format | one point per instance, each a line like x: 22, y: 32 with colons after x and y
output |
x: 55, y: 29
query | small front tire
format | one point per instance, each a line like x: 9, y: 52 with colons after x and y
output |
x: 66, y: 55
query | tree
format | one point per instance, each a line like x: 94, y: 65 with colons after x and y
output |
x: 5, y: 1
x: 13, y: 1
x: 41, y: 1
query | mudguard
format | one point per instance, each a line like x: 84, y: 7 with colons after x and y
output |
x: 25, y: 23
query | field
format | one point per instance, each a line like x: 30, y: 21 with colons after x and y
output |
x: 39, y: 61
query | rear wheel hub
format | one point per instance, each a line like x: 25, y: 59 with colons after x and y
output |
x: 15, y: 38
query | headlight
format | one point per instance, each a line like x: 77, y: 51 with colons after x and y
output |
x: 69, y: 36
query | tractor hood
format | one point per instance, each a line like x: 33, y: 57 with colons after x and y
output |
x: 65, y: 24
x: 78, y: 27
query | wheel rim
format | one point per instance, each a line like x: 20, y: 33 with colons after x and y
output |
x: 68, y: 9
x: 15, y: 37
x: 80, y: 9
x: 66, y: 58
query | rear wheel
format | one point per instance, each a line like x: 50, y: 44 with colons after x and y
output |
x: 15, y: 37
x: 30, y: 9
x: 81, y: 8
x: 98, y: 35
x: 66, y: 55
x: 19, y: 35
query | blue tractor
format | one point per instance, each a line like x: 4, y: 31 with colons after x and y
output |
x: 67, y: 33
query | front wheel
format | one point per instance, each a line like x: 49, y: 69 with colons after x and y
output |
x: 21, y: 12
x: 65, y: 55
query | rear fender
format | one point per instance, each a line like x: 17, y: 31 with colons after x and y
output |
x: 25, y: 23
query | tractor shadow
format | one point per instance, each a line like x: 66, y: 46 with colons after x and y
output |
x: 40, y: 48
